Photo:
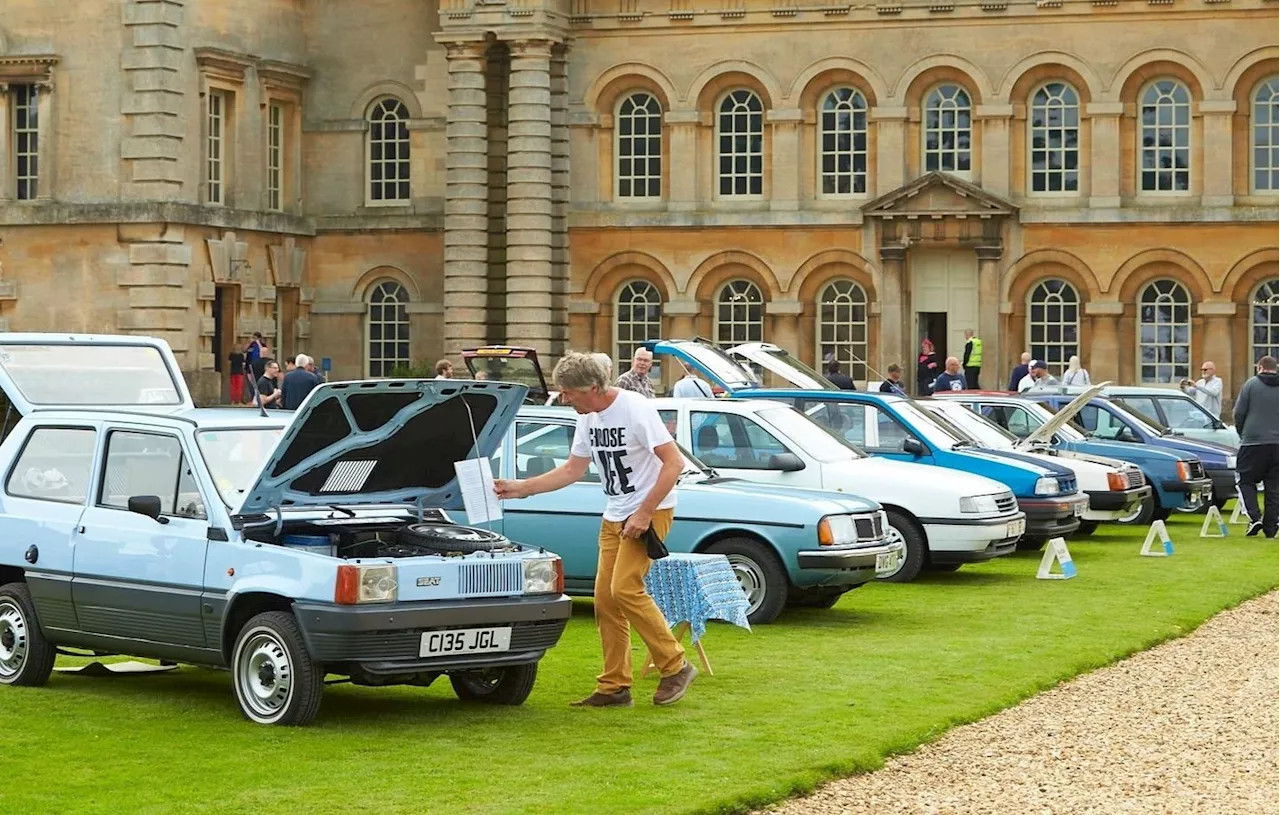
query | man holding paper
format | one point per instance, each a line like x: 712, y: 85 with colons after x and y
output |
x: 639, y: 463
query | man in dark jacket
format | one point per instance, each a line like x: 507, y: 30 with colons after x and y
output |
x: 951, y: 379
x: 1259, y: 455
x: 838, y: 377
x: 298, y: 384
x: 1019, y: 371
x: 893, y: 381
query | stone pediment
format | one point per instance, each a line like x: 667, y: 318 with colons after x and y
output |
x: 939, y: 195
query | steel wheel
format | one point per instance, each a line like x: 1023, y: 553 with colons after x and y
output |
x: 751, y: 578
x: 264, y: 675
x: 892, y: 535
x: 13, y: 638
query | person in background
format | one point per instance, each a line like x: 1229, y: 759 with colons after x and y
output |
x: 1256, y: 418
x: 1038, y: 377
x: 481, y: 376
x: 838, y: 377
x: 256, y: 354
x: 926, y: 368
x: 269, y: 386
x: 1075, y: 374
x: 298, y: 384
x: 1020, y: 372
x: 605, y: 362
x: 236, y: 371
x: 444, y: 369
x: 288, y: 365
x: 952, y: 377
x: 1207, y: 390
x: 690, y: 386
x: 972, y: 361
x: 637, y: 379
x: 893, y: 381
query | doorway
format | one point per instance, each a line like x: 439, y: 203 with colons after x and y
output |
x: 933, y: 324
x: 944, y: 296
x: 226, y: 303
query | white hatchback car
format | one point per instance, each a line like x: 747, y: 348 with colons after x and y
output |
x: 944, y: 517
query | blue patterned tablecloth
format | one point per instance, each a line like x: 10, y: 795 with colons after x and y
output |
x: 697, y: 588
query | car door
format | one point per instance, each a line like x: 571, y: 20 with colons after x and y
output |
x: 737, y: 445
x: 871, y: 427
x: 1103, y: 424
x: 566, y: 521
x: 138, y: 577
x: 44, y: 499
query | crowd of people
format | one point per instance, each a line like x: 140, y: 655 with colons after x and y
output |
x: 258, y: 379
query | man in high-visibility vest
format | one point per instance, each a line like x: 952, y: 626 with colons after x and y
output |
x: 972, y: 358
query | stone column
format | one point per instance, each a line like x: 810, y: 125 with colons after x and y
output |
x: 560, y: 197
x: 894, y: 324
x: 785, y: 178
x: 529, y: 222
x: 891, y: 148
x: 683, y: 315
x: 6, y: 189
x: 1105, y: 153
x: 989, y: 310
x: 995, y: 148
x: 682, y: 166
x: 1102, y: 357
x: 786, y: 325
x: 466, y: 216
x: 1217, y: 346
x: 45, y: 160
x: 1216, y: 188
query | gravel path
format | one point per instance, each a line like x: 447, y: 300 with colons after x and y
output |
x: 1187, y: 727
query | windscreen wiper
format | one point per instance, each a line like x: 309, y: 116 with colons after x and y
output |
x: 350, y: 513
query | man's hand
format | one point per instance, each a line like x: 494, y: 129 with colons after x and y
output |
x: 510, y: 489
x: 637, y: 524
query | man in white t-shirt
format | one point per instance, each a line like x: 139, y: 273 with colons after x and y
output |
x: 690, y: 386
x: 621, y: 433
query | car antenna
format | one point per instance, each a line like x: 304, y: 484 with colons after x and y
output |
x: 257, y: 397
x: 902, y: 391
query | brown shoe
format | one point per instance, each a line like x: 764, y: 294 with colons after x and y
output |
x: 672, y: 688
x: 620, y: 698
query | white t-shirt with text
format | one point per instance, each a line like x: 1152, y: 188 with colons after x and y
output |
x: 620, y: 441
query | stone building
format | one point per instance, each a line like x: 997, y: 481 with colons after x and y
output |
x: 383, y: 181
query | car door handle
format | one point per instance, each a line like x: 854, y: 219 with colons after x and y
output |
x: 80, y: 530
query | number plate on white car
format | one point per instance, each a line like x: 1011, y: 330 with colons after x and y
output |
x: 465, y: 641
x: 888, y: 562
x: 1016, y: 528
x: 1078, y: 509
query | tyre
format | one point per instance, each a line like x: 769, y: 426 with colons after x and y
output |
x: 1142, y: 515
x: 1161, y: 514
x: 1087, y: 528
x: 1030, y: 544
x: 275, y: 679
x: 760, y: 575
x: 448, y: 538
x: 901, y: 528
x: 26, y: 657
x: 507, y: 685
x: 815, y: 598
x: 945, y: 567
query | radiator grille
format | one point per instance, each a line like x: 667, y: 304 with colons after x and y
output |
x: 869, y: 527
x: 1136, y: 478
x: 1197, y: 468
x: 1066, y: 484
x: 1006, y: 502
x: 490, y: 579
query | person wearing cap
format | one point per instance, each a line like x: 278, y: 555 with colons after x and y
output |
x: 1038, y: 377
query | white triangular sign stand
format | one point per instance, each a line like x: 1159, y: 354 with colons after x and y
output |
x: 1213, y: 516
x: 1237, y: 514
x: 1056, y: 551
x: 1158, y: 532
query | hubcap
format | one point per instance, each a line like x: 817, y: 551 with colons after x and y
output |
x: 13, y: 638
x: 892, y: 535
x: 751, y: 578
x: 1131, y: 517
x: 264, y: 675
x: 482, y: 682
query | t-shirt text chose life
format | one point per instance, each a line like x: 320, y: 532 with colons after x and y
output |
x: 620, y: 441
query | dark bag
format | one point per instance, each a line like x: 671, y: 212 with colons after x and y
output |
x: 653, y: 545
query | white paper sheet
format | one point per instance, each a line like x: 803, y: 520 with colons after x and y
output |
x: 475, y: 479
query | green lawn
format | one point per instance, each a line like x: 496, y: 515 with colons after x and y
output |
x: 817, y: 694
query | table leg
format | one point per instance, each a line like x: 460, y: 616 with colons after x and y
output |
x: 678, y: 632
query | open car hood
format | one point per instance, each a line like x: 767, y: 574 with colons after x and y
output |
x: 776, y: 360
x: 386, y: 441
x: 90, y: 371
x: 717, y: 366
x: 1044, y: 433
x: 509, y: 363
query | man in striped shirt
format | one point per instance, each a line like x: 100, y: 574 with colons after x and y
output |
x: 637, y: 379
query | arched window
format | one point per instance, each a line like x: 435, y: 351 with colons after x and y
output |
x: 637, y: 319
x: 843, y: 143
x: 842, y: 326
x: 1164, y: 332
x: 388, y: 151
x: 1264, y: 321
x: 739, y: 313
x: 1165, y: 137
x: 947, y: 130
x: 1053, y: 321
x: 1055, y: 139
x: 639, y: 146
x: 1266, y: 136
x: 388, y: 328
x: 740, y: 144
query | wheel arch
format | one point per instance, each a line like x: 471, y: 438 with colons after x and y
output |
x: 736, y: 532
x: 915, y: 521
x: 12, y: 574
x: 244, y: 607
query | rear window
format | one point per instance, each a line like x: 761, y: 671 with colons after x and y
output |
x: 81, y: 374
x: 54, y: 465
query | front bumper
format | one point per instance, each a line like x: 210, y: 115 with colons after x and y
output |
x: 1053, y: 517
x: 1197, y: 490
x: 965, y: 540
x: 853, y: 566
x: 385, y: 639
x: 1109, y: 505
x: 1224, y: 482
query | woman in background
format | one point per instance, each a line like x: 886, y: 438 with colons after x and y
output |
x: 1074, y: 374
x: 926, y: 368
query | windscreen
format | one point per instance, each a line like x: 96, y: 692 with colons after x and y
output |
x: 800, y: 372
x: 811, y: 436
x: 235, y: 457
x: 989, y: 434
x: 720, y: 365
x: 82, y: 374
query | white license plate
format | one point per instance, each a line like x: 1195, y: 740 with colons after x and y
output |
x: 1016, y: 528
x: 465, y: 641
x: 1194, y: 499
x: 887, y: 561
x: 1078, y: 509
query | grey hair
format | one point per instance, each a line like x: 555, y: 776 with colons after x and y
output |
x: 605, y: 362
x: 577, y: 371
x: 302, y: 360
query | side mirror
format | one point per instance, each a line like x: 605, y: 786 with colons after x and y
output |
x: 914, y: 447
x: 786, y: 462
x: 148, y: 505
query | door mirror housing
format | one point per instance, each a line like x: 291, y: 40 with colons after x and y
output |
x: 913, y: 446
x: 786, y: 462
x: 148, y: 505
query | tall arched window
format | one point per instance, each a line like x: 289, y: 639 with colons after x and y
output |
x: 740, y: 144
x: 388, y: 151
x: 842, y: 326
x: 637, y: 318
x: 739, y: 313
x: 948, y: 129
x: 388, y: 328
x: 1266, y: 136
x: 1053, y: 321
x: 1264, y: 321
x: 1055, y: 139
x: 639, y: 146
x: 1164, y: 332
x: 843, y: 143
x: 1165, y: 137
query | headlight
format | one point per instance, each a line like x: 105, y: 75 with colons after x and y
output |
x: 1117, y: 481
x: 836, y: 530
x: 1231, y: 462
x: 544, y: 575
x: 373, y: 583
x: 1046, y: 486
x: 1184, y: 471
x: 979, y: 504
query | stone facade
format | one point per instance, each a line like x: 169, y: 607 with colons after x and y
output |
x: 210, y: 169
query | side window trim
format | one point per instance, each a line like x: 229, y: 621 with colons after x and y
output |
x: 8, y: 477
x: 185, y: 462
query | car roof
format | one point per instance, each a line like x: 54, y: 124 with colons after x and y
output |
x: 805, y: 393
x: 211, y: 418
x: 738, y: 405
